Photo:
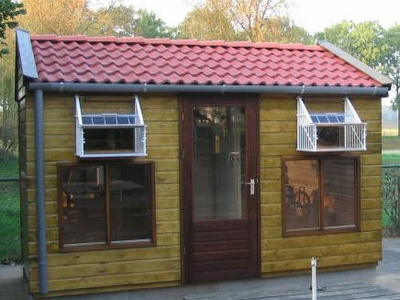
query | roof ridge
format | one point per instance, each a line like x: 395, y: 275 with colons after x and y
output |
x: 177, y: 42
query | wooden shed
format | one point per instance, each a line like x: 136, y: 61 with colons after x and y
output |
x: 148, y: 163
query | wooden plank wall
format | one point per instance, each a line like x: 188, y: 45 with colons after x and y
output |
x: 22, y: 140
x: 112, y: 269
x: 160, y: 265
x: 288, y: 255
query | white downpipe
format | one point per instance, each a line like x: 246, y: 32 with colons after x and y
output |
x: 314, y: 278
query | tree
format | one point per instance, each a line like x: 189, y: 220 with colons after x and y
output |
x: 149, y: 25
x: 126, y: 21
x: 390, y: 65
x: 112, y: 20
x: 364, y: 41
x: 252, y: 16
x: 8, y: 119
x: 207, y: 23
x: 254, y: 20
x: 9, y: 10
x: 60, y: 17
x: 283, y: 30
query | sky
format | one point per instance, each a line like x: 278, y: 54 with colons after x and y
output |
x: 313, y: 15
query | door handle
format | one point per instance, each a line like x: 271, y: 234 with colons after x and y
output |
x: 252, y: 184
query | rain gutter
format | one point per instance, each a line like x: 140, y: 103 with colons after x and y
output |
x: 63, y: 87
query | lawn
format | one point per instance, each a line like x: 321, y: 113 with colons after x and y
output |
x: 9, y: 212
x: 390, y: 144
x: 9, y: 168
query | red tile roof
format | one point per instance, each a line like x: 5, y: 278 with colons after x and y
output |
x: 81, y: 59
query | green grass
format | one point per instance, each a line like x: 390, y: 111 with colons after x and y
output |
x: 391, y: 158
x: 390, y: 142
x: 9, y: 168
x: 10, y: 242
x: 385, y: 220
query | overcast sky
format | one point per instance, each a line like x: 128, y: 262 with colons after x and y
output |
x: 313, y: 15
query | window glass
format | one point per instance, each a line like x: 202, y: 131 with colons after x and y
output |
x: 219, y: 164
x: 109, y: 139
x: 339, y: 192
x: 320, y: 194
x: 83, y: 204
x: 104, y: 204
x: 330, y: 136
x: 301, y: 194
x: 130, y: 202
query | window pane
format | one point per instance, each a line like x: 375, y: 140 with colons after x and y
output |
x: 83, y: 205
x: 130, y: 202
x: 87, y: 120
x: 301, y: 194
x: 339, y: 192
x: 320, y: 194
x: 110, y: 120
x: 219, y: 171
x: 330, y: 137
x: 109, y: 140
x: 98, y: 120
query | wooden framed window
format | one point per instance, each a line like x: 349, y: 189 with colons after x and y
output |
x: 106, y: 204
x: 320, y: 195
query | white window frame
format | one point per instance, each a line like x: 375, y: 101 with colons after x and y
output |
x: 355, y: 133
x: 140, y: 130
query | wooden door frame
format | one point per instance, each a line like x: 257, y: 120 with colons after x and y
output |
x: 186, y: 164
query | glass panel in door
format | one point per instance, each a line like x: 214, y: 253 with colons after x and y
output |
x: 219, y: 163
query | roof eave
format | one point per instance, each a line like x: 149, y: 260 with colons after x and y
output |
x: 385, y: 81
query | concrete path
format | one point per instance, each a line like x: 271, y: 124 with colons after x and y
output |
x: 382, y: 283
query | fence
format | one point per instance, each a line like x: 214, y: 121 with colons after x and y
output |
x: 390, y: 196
x: 10, y: 229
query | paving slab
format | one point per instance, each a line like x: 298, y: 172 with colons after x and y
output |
x: 380, y: 283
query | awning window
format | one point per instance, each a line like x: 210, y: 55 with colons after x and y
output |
x: 330, y: 131
x: 109, y: 134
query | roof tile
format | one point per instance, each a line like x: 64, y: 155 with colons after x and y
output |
x: 164, y: 61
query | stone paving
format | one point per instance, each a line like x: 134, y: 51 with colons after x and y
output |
x: 379, y: 284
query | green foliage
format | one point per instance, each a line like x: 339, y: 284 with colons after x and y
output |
x: 364, y: 41
x: 9, y: 168
x: 232, y: 20
x: 10, y: 249
x: 9, y: 10
x: 390, y: 64
x: 10, y: 242
x: 125, y: 21
x: 8, y: 114
x: 207, y: 23
x: 147, y: 24
x: 390, y: 189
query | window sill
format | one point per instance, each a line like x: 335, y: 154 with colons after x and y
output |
x: 300, y: 232
x: 115, y: 245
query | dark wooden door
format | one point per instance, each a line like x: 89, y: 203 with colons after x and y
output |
x: 220, y: 187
